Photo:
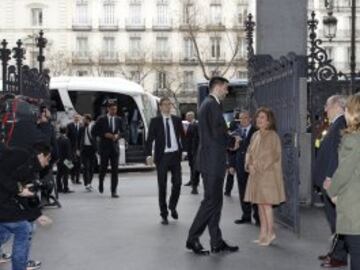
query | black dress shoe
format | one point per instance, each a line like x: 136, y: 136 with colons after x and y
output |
x: 227, y: 194
x: 188, y: 184
x: 114, y: 195
x: 197, y: 248
x: 224, y: 247
x: 164, y: 221
x: 242, y: 221
x: 101, y: 188
x: 174, y: 214
x: 67, y: 191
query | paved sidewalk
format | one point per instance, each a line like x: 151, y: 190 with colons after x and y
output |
x: 93, y: 232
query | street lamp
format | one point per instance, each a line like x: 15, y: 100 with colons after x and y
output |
x: 330, y: 23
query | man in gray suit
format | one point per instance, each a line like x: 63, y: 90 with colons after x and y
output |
x: 211, y: 162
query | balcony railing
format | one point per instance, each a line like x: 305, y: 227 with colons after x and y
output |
x: 81, y: 57
x: 218, y: 60
x: 135, y: 24
x: 239, y: 25
x: 163, y: 57
x: 215, y: 25
x: 162, y: 24
x: 108, y: 24
x: 240, y: 59
x: 81, y: 25
x: 188, y: 60
x: 135, y: 58
x: 109, y: 57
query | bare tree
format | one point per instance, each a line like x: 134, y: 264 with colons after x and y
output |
x: 193, y: 28
x: 59, y: 63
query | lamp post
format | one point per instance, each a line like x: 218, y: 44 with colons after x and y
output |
x: 330, y: 23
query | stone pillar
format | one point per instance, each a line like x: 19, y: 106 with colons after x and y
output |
x: 281, y: 27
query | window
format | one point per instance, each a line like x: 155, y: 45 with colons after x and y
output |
x: 162, y: 14
x: 81, y: 73
x: 189, y: 13
x: 135, y: 75
x: 135, y: 13
x: 56, y: 100
x: 36, y: 17
x: 188, y: 80
x: 215, y: 14
x: 215, y: 47
x: 242, y: 74
x: 82, y: 13
x: 135, y: 46
x: 215, y: 72
x: 33, y: 58
x: 242, y: 48
x: 241, y: 14
x: 109, y: 46
x: 161, y: 46
x: 82, y: 46
x: 109, y: 73
x: 329, y: 52
x: 161, y: 80
x: 109, y: 13
x: 189, y: 52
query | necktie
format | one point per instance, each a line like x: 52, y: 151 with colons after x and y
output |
x: 243, y: 133
x: 168, y: 139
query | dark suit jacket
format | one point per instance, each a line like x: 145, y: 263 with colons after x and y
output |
x: 192, y: 135
x: 82, y: 138
x: 214, y: 138
x: 327, y: 156
x: 241, y: 152
x: 101, y: 127
x: 74, y: 136
x: 157, y: 134
x: 64, y: 148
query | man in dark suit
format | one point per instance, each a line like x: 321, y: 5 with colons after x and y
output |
x: 87, y: 151
x: 108, y: 128
x: 245, y: 130
x: 65, y: 160
x: 167, y: 132
x: 325, y: 165
x: 73, y: 133
x: 193, y: 145
x: 211, y: 161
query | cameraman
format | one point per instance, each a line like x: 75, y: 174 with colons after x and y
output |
x: 18, y: 203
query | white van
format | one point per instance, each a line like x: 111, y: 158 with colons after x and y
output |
x: 83, y: 95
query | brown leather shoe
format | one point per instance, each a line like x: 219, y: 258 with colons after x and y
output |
x: 332, y: 263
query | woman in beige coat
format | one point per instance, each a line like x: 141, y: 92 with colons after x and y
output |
x: 263, y: 162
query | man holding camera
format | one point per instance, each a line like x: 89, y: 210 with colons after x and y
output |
x: 19, y: 206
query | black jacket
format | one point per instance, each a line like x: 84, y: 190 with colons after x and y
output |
x: 214, y: 139
x: 193, y: 141
x: 326, y: 161
x: 74, y: 136
x: 241, y: 152
x: 157, y: 134
x: 17, y: 166
x: 64, y: 148
x: 101, y: 127
x: 90, y: 135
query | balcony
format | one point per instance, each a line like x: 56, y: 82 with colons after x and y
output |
x: 218, y: 60
x: 81, y: 57
x: 162, y: 24
x: 135, y: 24
x: 135, y: 58
x: 237, y: 25
x: 188, y: 60
x: 109, y: 58
x: 215, y: 25
x: 163, y: 57
x: 240, y: 60
x: 106, y: 24
x: 81, y: 24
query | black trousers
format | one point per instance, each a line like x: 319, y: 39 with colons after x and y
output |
x: 169, y: 162
x: 75, y: 171
x: 209, y: 213
x: 111, y: 155
x: 339, y: 249
x: 229, y: 183
x: 62, y: 177
x: 194, y: 175
x: 88, y: 159
x: 246, y: 207
x: 353, y: 243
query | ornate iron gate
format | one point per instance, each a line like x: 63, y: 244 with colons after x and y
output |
x: 276, y: 84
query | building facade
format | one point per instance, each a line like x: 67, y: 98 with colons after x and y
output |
x: 339, y: 48
x: 152, y: 42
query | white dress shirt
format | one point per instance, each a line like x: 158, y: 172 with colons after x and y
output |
x: 88, y: 129
x: 174, y: 144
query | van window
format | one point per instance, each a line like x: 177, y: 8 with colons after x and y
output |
x: 94, y: 102
x: 56, y: 101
